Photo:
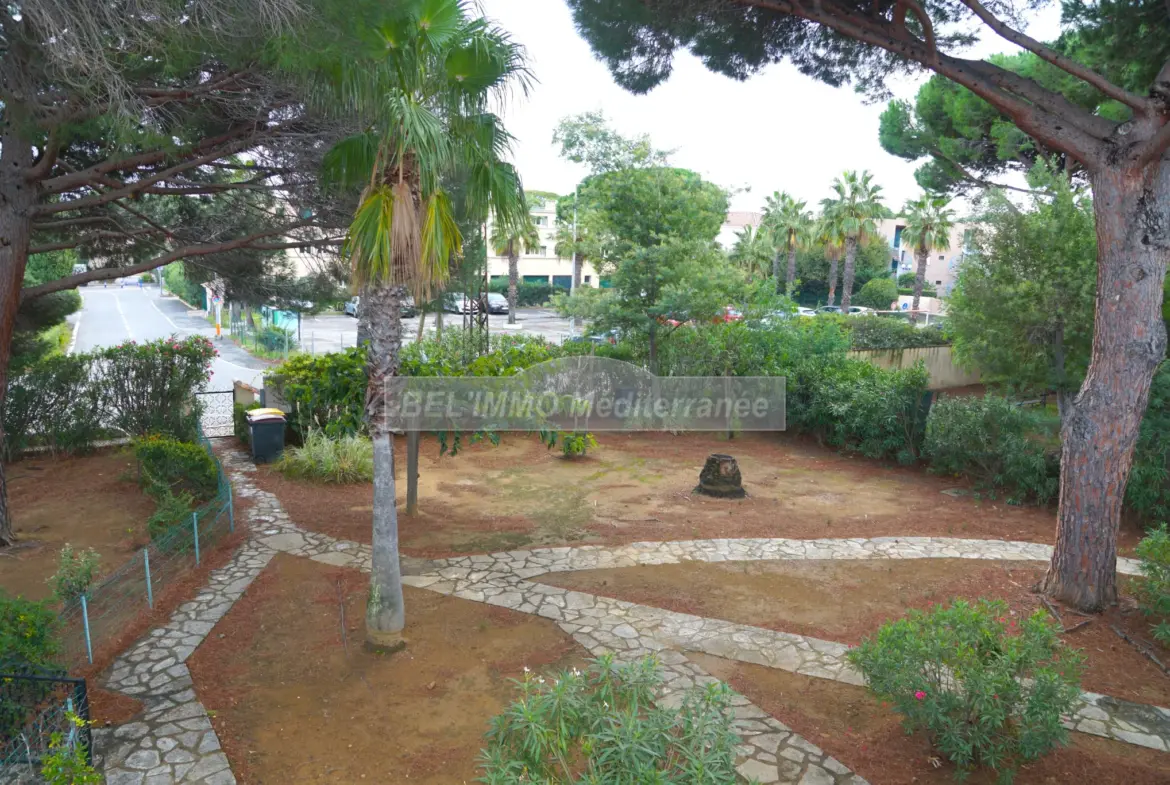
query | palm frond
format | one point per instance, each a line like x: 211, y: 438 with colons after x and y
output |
x: 350, y: 163
x: 441, y: 241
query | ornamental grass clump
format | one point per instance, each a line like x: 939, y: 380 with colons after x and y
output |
x: 988, y: 690
x: 602, y: 726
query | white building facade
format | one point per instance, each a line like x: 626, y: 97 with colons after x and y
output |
x: 942, y: 264
x: 540, y: 264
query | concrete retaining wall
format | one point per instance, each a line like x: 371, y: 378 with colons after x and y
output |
x: 944, y: 372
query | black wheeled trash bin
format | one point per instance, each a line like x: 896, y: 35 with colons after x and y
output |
x: 267, y: 431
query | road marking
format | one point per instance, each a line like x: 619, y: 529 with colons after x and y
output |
x: 160, y: 310
x: 125, y: 321
x: 76, y: 327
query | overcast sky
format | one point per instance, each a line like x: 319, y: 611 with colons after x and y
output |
x: 780, y: 130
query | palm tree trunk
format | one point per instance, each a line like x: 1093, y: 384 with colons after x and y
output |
x: 576, y: 272
x: 847, y: 276
x: 364, y: 315
x: 422, y: 323
x: 439, y: 321
x: 385, y: 611
x: 790, y: 279
x: 776, y: 269
x: 919, y: 281
x: 832, y: 280
x: 513, y: 280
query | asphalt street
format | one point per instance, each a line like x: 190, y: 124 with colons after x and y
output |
x: 114, y: 314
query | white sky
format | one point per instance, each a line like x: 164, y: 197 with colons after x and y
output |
x: 780, y: 130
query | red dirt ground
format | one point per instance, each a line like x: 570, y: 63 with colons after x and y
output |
x: 847, y: 600
x: 294, y: 699
x: 638, y: 487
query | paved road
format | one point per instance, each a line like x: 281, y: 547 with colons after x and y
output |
x: 115, y: 314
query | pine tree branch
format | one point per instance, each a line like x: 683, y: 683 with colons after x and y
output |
x: 1154, y: 147
x: 1049, y: 55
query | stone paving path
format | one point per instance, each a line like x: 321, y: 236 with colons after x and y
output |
x: 175, y: 743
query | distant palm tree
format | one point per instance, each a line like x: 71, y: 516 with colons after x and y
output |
x: 791, y: 225
x: 753, y: 251
x: 854, y: 212
x: 511, y: 241
x: 427, y: 99
x: 928, y: 226
x: 827, y: 234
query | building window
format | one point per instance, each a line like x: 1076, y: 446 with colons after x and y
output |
x: 541, y: 220
x: 544, y: 250
x: 587, y: 279
x: 941, y: 257
x: 898, y: 236
x: 938, y: 283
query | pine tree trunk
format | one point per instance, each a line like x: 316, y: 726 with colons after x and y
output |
x: 919, y: 281
x: 513, y: 280
x: 832, y: 280
x: 847, y: 274
x: 17, y: 202
x: 385, y: 612
x: 1129, y: 341
x: 790, y: 279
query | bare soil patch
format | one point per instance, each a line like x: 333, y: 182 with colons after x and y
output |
x: 848, y: 723
x: 89, y: 501
x: 295, y: 699
x: 847, y: 600
x: 637, y: 487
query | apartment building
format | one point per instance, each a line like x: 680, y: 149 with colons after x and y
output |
x: 540, y: 264
x: 942, y: 264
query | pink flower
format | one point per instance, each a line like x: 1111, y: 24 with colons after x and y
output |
x: 920, y: 695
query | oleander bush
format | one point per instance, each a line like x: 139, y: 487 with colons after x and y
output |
x: 988, y: 690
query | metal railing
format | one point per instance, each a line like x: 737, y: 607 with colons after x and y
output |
x: 102, y: 614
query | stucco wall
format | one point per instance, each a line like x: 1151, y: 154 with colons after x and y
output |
x: 944, y: 373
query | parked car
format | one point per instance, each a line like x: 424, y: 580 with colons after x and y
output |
x: 828, y: 309
x: 351, y: 306
x: 497, y: 303
x: 354, y: 305
x: 729, y: 314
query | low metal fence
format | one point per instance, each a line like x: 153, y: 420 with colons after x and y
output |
x: 35, y: 707
x: 103, y: 613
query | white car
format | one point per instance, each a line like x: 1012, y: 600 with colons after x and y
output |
x: 457, y: 302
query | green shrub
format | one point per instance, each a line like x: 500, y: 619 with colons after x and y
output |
x: 1154, y: 591
x: 27, y: 634
x: 602, y: 726
x: 322, y: 458
x: 860, y: 407
x: 989, y: 440
x: 55, y: 403
x: 1148, y: 492
x: 150, y: 387
x: 890, y: 332
x: 169, y: 525
x: 240, y: 420
x: 177, y: 283
x: 573, y: 444
x: 66, y: 762
x: 528, y: 293
x: 740, y: 349
x: 325, y: 392
x: 277, y: 339
x: 75, y: 573
x: 878, y: 293
x: 169, y: 464
x: 989, y: 692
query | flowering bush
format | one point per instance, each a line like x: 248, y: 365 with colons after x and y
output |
x: 989, y: 690
x: 149, y: 387
x: 75, y: 572
x: 1154, y: 591
x: 26, y: 634
x: 602, y: 726
x: 66, y: 762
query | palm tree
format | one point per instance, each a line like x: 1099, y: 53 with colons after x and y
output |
x: 929, y: 222
x: 828, y: 234
x: 788, y: 221
x: 854, y: 212
x: 511, y: 241
x: 752, y: 251
x: 427, y: 96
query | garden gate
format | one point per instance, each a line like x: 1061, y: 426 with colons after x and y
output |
x: 216, y: 414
